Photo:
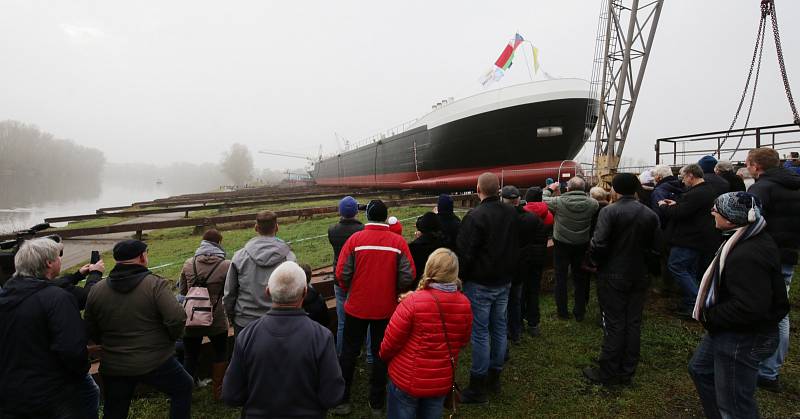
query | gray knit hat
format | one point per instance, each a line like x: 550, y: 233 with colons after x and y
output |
x: 740, y: 208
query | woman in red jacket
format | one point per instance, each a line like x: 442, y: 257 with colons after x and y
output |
x: 420, y: 352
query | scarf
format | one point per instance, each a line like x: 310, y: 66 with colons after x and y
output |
x: 709, y: 287
x: 444, y: 286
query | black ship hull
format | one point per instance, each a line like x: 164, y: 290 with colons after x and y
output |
x: 525, y: 144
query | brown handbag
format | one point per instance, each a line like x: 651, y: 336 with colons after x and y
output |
x: 454, y: 396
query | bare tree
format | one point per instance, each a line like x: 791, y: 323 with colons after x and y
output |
x: 237, y: 164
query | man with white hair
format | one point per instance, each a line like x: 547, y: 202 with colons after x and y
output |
x: 43, y: 358
x: 284, y: 364
x: 573, y: 213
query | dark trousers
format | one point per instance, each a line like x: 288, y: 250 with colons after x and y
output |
x: 724, y: 369
x: 568, y: 257
x: 193, y: 345
x: 523, y: 302
x: 622, y: 327
x: 355, y: 330
x: 169, y: 378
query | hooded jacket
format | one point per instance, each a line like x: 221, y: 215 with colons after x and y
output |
x: 573, y: 212
x: 540, y: 209
x: 245, y: 296
x: 134, y: 316
x: 207, y: 263
x: 451, y: 225
x: 43, y: 354
x: 779, y: 192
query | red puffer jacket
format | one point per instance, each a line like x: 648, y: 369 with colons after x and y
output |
x: 414, y: 345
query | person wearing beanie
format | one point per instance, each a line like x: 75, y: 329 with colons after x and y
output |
x: 395, y: 226
x: 374, y: 267
x: 208, y: 269
x: 719, y: 184
x: 625, y: 241
x: 338, y: 234
x: 778, y: 189
x: 135, y: 316
x: 428, y: 238
x: 690, y: 233
x: 450, y: 222
x: 741, y: 299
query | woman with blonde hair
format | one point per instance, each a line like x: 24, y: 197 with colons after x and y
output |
x: 423, y: 339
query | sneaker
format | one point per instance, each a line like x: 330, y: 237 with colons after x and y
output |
x: 342, y: 409
x: 534, y: 331
x: 770, y: 385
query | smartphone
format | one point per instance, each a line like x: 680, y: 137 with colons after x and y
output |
x: 95, y: 257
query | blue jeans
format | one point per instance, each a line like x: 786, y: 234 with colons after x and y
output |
x: 169, y: 378
x: 341, y: 297
x: 489, y: 323
x: 724, y: 369
x: 401, y: 405
x: 683, y: 265
x: 90, y: 395
x: 771, y: 367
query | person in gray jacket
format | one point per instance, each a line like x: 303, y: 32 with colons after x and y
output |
x: 251, y: 266
x: 573, y: 214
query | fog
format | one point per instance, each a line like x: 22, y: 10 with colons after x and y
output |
x: 165, y: 82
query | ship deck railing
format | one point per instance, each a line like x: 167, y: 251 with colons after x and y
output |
x: 397, y: 129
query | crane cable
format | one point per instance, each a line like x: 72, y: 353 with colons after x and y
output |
x: 767, y: 8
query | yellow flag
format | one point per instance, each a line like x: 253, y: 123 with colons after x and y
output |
x: 535, y: 60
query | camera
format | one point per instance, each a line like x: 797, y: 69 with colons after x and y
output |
x: 9, y: 248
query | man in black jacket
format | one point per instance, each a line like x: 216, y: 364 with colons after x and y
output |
x: 531, y: 234
x: 625, y: 239
x: 724, y: 169
x: 488, y: 254
x: 691, y: 233
x: 337, y: 236
x: 284, y: 364
x: 741, y: 299
x: 778, y: 188
x: 429, y: 237
x: 450, y: 222
x: 43, y: 357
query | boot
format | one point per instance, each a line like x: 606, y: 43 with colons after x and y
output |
x: 476, y: 391
x: 493, y: 381
x: 217, y: 374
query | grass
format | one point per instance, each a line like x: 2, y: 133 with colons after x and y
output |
x: 543, y: 377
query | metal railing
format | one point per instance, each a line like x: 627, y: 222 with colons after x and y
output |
x: 726, y: 145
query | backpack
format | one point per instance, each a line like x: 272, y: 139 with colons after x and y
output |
x: 197, y: 304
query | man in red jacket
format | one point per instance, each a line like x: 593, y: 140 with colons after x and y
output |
x: 373, y: 267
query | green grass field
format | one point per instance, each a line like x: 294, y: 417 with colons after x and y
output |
x: 543, y: 377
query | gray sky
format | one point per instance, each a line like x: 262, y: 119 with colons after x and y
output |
x: 156, y: 81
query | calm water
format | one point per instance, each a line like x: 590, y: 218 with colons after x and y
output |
x: 23, y: 214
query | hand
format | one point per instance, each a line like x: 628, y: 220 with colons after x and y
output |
x: 553, y: 186
x: 417, y: 234
x: 403, y: 296
x: 669, y: 202
x: 84, y: 269
x: 100, y: 266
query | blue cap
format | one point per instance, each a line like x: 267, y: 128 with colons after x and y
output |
x: 549, y: 181
x: 444, y: 205
x: 348, y: 207
x: 707, y: 163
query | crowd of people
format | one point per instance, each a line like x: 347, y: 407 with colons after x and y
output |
x: 729, y: 245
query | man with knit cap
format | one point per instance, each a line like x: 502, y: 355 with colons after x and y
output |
x: 337, y: 236
x: 428, y: 238
x: 625, y: 238
x: 778, y: 188
x: 134, y: 315
x: 488, y: 254
x: 374, y: 267
x: 249, y: 271
x: 450, y: 222
x: 717, y: 183
x: 740, y: 301
x: 573, y: 213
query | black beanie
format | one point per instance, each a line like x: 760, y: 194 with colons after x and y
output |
x: 128, y: 249
x: 534, y: 194
x: 377, y: 211
x: 428, y: 222
x: 626, y: 183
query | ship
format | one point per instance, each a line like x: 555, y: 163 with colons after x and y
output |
x: 524, y: 133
